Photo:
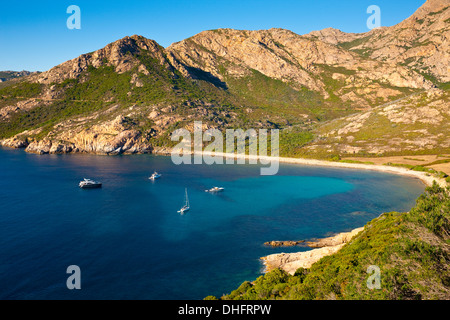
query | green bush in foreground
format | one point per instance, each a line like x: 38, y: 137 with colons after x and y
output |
x: 411, y: 249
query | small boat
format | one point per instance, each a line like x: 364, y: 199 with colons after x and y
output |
x: 186, y: 206
x: 90, y: 184
x: 215, y: 189
x: 155, y: 176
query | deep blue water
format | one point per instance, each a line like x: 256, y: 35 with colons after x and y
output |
x: 130, y: 242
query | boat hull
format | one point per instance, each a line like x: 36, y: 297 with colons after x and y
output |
x: 183, y: 210
x: 91, y: 186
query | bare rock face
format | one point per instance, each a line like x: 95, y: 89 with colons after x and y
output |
x: 15, y: 142
x: 283, y: 55
x: 290, y: 262
x: 421, y: 42
x: 119, y: 54
x: 110, y: 138
x: 362, y: 72
x: 39, y: 147
x: 288, y: 243
x: 333, y: 36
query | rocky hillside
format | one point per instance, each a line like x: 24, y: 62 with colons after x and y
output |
x: 418, y: 122
x: 9, y: 75
x: 421, y: 42
x: 236, y: 58
x: 130, y: 95
x: 121, y: 98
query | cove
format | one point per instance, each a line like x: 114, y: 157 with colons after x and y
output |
x: 130, y: 242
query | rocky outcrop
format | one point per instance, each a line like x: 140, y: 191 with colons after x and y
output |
x: 290, y: 262
x: 15, y: 142
x: 340, y: 238
x: 46, y: 146
x: 120, y: 54
x: 10, y: 75
x: 110, y: 138
x: 288, y: 243
x: 283, y: 55
x: 421, y: 42
x: 336, y: 240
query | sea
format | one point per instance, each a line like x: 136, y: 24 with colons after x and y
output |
x: 129, y: 241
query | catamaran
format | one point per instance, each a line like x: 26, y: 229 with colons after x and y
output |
x: 186, y: 206
x: 155, y: 176
x: 215, y: 189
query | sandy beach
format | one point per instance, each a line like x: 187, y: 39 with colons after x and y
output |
x: 290, y: 262
x: 423, y: 176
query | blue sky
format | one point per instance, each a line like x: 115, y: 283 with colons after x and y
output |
x: 34, y: 35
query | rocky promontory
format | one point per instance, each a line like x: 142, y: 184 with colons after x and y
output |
x: 290, y: 262
x: 108, y: 138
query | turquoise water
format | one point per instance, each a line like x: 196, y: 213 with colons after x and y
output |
x: 130, y: 242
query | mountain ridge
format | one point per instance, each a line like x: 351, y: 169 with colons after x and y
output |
x: 420, y: 42
x: 227, y: 78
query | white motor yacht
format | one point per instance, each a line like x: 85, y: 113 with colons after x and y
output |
x: 90, y: 184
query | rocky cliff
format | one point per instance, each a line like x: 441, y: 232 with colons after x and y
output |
x: 121, y: 55
x: 420, y: 42
x: 301, y: 62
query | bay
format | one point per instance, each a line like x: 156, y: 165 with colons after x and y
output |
x: 130, y: 242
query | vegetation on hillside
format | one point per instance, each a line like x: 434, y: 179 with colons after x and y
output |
x: 412, y: 251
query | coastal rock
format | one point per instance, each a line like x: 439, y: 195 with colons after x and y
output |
x: 15, y: 142
x: 417, y: 122
x: 119, y: 54
x: 39, y: 147
x: 290, y: 262
x: 338, y: 239
x: 58, y: 148
x: 109, y: 138
x: 339, y: 73
x: 275, y: 244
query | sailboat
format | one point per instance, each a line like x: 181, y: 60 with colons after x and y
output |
x: 155, y: 176
x: 186, y: 206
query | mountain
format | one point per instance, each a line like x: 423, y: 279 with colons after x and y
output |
x: 8, y: 75
x: 113, y: 100
x: 130, y: 95
x: 421, y: 42
x: 238, y: 58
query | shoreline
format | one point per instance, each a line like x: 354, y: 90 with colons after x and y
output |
x: 290, y: 262
x: 295, y: 260
x: 426, y: 178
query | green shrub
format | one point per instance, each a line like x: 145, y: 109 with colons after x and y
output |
x: 394, y: 242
